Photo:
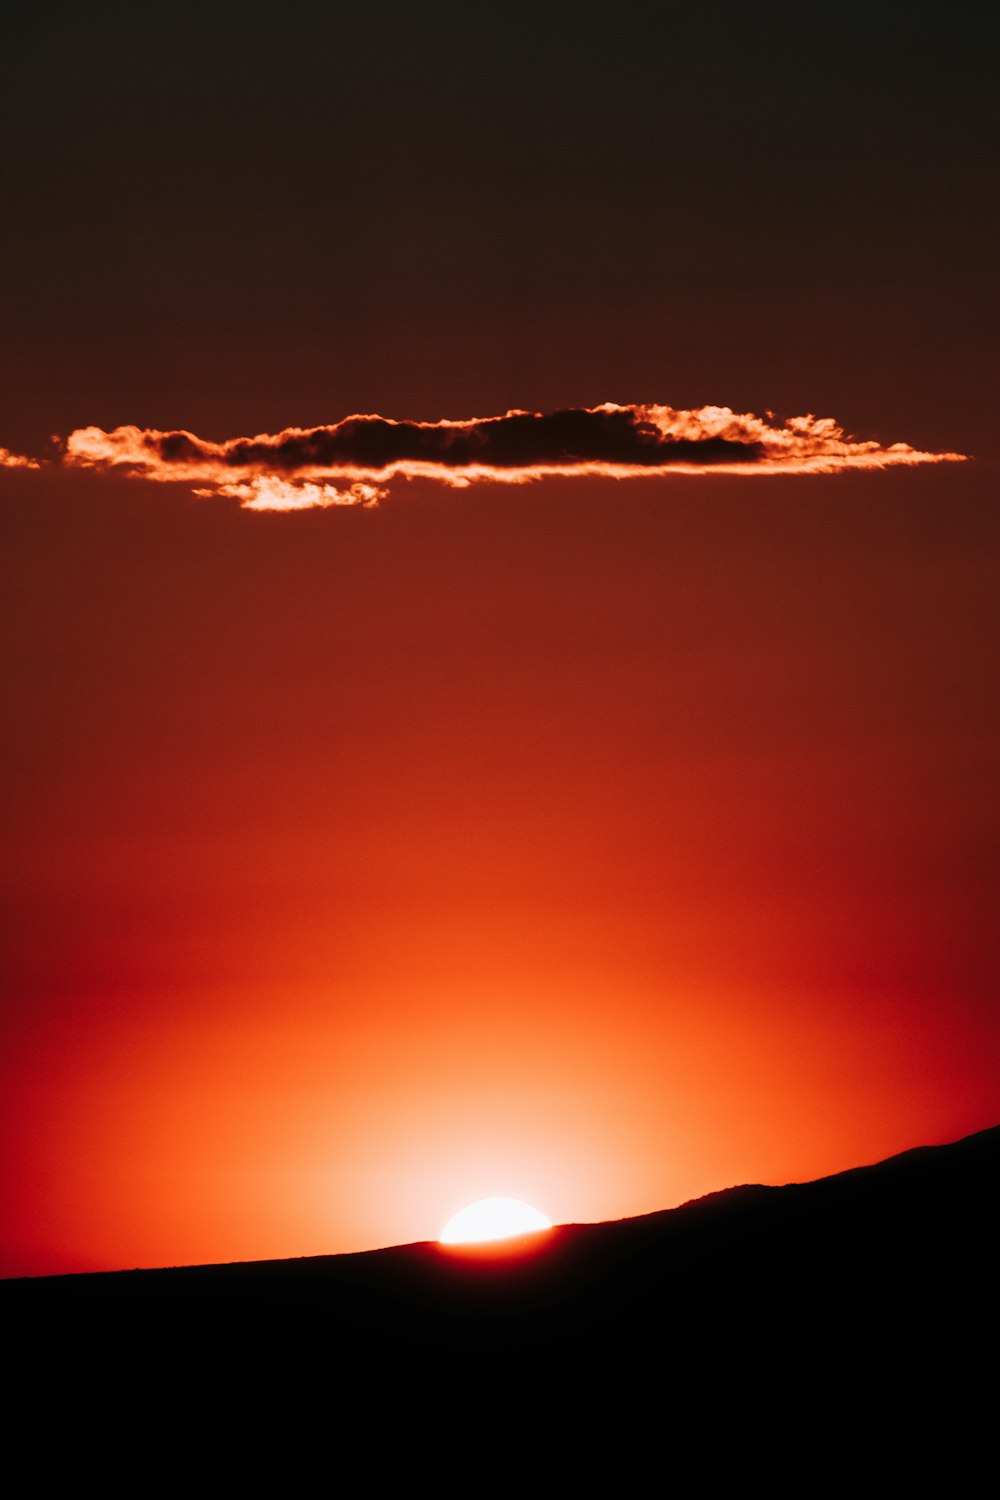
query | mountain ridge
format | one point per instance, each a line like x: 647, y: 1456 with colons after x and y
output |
x: 987, y: 1139
x: 840, y: 1313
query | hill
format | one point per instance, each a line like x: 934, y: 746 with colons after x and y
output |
x: 841, y: 1305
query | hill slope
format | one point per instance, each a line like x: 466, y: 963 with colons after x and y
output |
x: 863, y: 1293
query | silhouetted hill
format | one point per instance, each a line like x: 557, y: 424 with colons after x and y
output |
x: 837, y: 1306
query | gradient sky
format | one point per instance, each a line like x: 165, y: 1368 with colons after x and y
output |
x: 598, y: 842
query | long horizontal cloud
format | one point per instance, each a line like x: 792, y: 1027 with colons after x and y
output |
x: 350, y: 462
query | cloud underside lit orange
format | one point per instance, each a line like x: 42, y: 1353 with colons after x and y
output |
x: 9, y: 460
x: 351, y: 462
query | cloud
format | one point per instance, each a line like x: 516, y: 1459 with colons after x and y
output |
x: 9, y: 460
x: 268, y: 492
x: 350, y: 463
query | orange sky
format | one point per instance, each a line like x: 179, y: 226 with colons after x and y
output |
x: 598, y: 848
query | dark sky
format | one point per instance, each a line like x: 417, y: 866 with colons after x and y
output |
x: 238, y: 220
x: 598, y: 842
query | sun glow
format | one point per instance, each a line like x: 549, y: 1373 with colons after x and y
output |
x: 493, y: 1219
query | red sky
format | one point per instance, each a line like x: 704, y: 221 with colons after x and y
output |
x: 597, y: 842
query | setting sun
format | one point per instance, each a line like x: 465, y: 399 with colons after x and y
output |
x: 493, y: 1219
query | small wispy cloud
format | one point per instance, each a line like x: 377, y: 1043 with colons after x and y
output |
x: 350, y: 463
x: 9, y: 460
x: 269, y: 492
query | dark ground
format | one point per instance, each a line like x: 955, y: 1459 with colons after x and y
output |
x: 793, y: 1330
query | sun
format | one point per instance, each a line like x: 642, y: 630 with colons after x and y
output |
x: 492, y: 1219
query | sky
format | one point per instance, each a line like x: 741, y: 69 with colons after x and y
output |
x: 596, y: 806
